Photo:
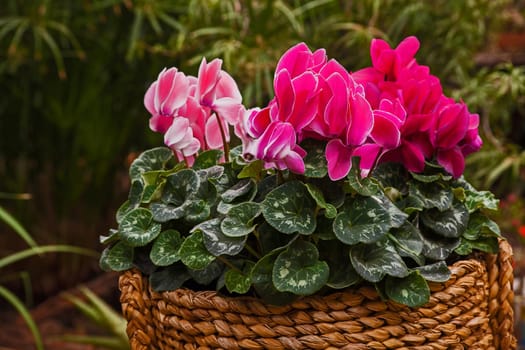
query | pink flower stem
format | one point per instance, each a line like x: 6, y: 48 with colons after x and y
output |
x: 225, y: 145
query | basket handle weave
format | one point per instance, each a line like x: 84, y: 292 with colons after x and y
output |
x: 501, y: 296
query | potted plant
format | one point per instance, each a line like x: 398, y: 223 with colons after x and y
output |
x: 337, y: 216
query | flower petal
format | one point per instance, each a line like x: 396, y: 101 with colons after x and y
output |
x: 452, y: 160
x: 339, y: 159
x: 367, y: 154
x: 385, y: 132
x: 361, y: 121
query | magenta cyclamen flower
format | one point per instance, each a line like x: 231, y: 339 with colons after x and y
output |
x: 277, y: 147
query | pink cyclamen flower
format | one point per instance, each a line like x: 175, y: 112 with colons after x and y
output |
x: 179, y: 137
x: 164, y: 96
x: 217, y: 90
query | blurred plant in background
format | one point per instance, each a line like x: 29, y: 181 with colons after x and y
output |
x: 73, y: 74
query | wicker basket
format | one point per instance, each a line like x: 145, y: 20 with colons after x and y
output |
x: 473, y: 310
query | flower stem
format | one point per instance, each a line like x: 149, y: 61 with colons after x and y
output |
x: 227, y: 263
x: 252, y: 251
x: 225, y: 145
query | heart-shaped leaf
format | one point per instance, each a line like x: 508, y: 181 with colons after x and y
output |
x: 165, y: 249
x: 431, y: 195
x: 169, y: 278
x: 244, y: 188
x: 117, y: 258
x: 289, y: 208
x: 408, y: 242
x: 207, y: 159
x: 364, y: 220
x: 216, y: 242
x: 180, y: 187
x: 263, y: 283
x: 165, y: 212
x: 436, y: 272
x: 193, y: 252
x: 239, y: 281
x: 153, y: 159
x: 450, y: 223
x: 138, y: 228
x: 374, y: 261
x: 252, y: 170
x: 342, y: 273
x: 439, y: 248
x: 363, y: 186
x: 317, y: 195
x: 208, y: 274
x: 239, y: 220
x: 411, y: 290
x: 298, y: 269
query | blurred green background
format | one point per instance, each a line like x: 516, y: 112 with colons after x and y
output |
x: 73, y: 74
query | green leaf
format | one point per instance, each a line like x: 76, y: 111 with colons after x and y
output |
x: 135, y: 193
x: 363, y: 186
x: 152, y: 192
x: 117, y: 258
x: 193, y: 252
x: 137, y: 227
x: 216, y: 242
x: 298, y: 270
x: 122, y: 211
x: 289, y: 208
x: 484, y: 244
x: 207, y: 159
x: 197, y: 211
x: 438, y: 248
x: 315, y: 165
x: 112, y: 237
x: 165, y: 249
x: 408, y: 242
x: 374, y: 261
x: 245, y: 188
x: 263, y: 283
x: 317, y: 195
x: 364, y: 220
x: 153, y: 159
x: 270, y: 239
x: 436, y: 272
x: 237, y: 281
x: 342, y: 273
x: 411, y: 290
x: 450, y: 223
x: 252, y: 170
x: 478, y: 225
x: 239, y: 219
x: 430, y: 195
x: 208, y: 274
x: 180, y: 187
x: 169, y: 278
x: 165, y: 212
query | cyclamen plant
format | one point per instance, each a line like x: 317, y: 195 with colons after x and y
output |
x: 343, y: 178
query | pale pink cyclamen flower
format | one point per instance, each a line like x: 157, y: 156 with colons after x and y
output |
x: 164, y: 96
x: 208, y: 102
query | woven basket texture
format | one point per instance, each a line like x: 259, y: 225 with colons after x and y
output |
x: 473, y: 310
